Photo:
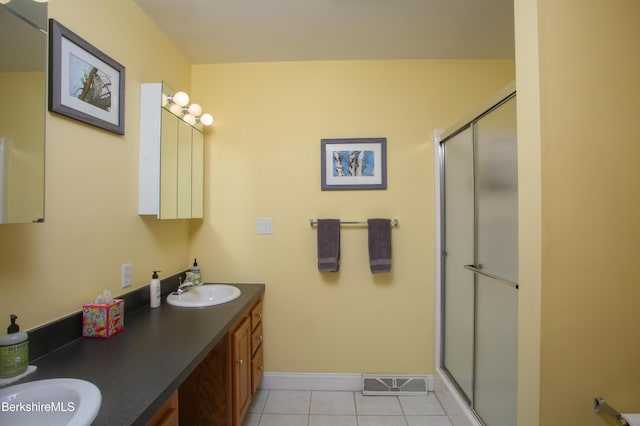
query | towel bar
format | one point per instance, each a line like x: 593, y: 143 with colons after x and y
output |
x: 601, y: 406
x: 313, y: 222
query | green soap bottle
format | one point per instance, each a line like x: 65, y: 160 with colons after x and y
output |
x: 14, y: 350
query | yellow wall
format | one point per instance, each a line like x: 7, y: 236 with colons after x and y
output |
x: 529, y: 212
x: 578, y: 155
x: 589, y: 229
x: 263, y: 160
x: 92, y: 227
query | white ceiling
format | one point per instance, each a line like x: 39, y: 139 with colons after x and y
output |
x: 223, y: 31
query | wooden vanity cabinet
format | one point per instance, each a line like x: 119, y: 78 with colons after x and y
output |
x: 246, y: 361
x: 257, y: 364
x: 204, y: 395
x: 219, y: 391
x: 241, y: 370
x: 167, y: 415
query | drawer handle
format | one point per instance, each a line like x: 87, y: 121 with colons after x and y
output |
x: 240, y: 361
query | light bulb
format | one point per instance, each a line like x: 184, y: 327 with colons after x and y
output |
x: 206, y: 119
x: 180, y: 98
x: 176, y: 109
x: 189, y: 119
x: 195, y: 110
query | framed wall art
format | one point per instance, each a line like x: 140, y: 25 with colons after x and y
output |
x: 84, y: 83
x: 359, y: 163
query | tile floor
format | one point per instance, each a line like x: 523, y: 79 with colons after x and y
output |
x: 324, y: 408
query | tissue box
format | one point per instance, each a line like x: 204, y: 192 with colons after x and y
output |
x: 103, y: 320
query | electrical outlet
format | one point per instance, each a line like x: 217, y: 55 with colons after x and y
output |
x: 126, y: 275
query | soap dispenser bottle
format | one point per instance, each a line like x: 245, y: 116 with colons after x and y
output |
x: 195, y: 269
x: 14, y: 350
x: 154, y: 289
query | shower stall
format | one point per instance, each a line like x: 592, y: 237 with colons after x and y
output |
x: 477, y: 271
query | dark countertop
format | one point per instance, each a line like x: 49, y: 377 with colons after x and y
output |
x: 139, y: 368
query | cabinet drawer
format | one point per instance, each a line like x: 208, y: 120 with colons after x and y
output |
x: 256, y: 315
x: 256, y: 339
x: 257, y: 370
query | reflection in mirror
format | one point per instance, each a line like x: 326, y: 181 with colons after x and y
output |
x: 23, y: 61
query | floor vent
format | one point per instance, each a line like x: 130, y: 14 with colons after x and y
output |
x: 394, y: 385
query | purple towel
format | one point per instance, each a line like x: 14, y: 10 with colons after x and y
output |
x: 379, y: 245
x: 328, y: 245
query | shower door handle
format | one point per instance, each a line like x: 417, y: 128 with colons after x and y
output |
x: 476, y: 269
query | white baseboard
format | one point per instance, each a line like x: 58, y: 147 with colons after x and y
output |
x: 312, y: 381
x: 322, y: 381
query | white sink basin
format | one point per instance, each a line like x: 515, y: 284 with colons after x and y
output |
x: 205, y: 295
x: 50, y: 402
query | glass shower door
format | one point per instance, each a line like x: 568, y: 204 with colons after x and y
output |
x: 480, y: 263
x: 458, y: 292
x: 497, y: 257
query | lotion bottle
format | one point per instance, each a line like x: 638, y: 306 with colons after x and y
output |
x: 14, y: 350
x: 154, y: 289
x: 195, y: 269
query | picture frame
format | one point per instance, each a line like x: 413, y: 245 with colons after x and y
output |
x: 84, y: 83
x: 353, y: 164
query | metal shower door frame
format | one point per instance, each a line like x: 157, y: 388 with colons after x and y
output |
x: 471, y: 123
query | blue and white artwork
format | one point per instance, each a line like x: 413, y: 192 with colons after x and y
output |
x: 354, y: 163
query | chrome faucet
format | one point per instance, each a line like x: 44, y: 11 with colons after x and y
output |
x: 188, y: 283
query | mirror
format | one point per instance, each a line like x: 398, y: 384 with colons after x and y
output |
x: 23, y: 64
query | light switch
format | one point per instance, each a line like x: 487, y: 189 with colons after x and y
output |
x: 264, y: 225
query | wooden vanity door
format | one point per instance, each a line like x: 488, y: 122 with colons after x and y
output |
x: 241, y: 369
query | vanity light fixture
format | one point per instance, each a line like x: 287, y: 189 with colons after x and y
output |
x: 195, y: 110
x: 206, y: 119
x: 176, y: 109
x: 178, y: 104
x: 179, y: 98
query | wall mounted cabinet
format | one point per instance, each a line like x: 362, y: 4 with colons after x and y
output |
x: 171, y: 159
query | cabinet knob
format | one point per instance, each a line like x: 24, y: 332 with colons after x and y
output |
x: 260, y: 315
x: 240, y: 361
x: 260, y: 338
x: 261, y: 368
